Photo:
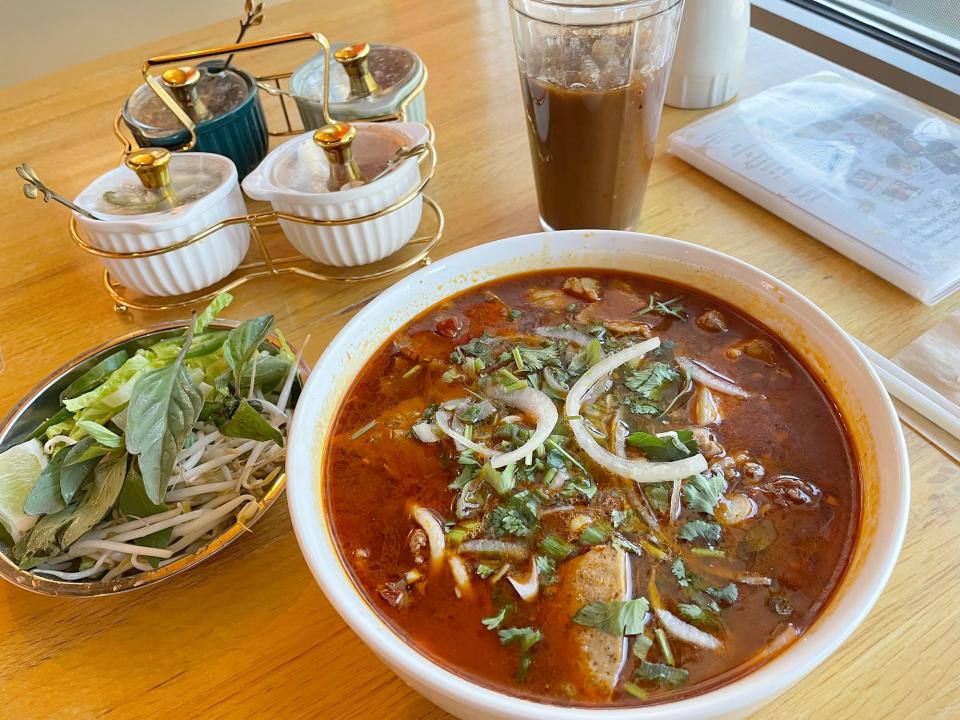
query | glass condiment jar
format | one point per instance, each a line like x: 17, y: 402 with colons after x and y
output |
x: 156, y: 199
x: 367, y: 82
x: 339, y: 172
x: 224, y: 105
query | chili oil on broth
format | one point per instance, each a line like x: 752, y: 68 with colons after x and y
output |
x: 789, y: 428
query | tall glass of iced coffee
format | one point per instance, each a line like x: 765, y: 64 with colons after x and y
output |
x: 593, y: 75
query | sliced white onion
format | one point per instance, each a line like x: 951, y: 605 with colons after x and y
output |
x: 532, y: 402
x: 495, y: 548
x: 426, y: 432
x: 551, y: 380
x: 431, y: 526
x: 529, y: 588
x: 461, y: 576
x: 710, y: 378
x: 555, y: 333
x: 637, y: 470
x: 486, y: 407
x: 443, y: 422
x: 687, y: 632
x: 595, y: 392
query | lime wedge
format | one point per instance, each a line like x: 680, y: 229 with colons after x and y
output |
x: 20, y: 467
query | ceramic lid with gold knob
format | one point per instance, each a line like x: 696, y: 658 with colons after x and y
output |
x: 367, y: 82
x: 154, y: 183
x: 338, y: 157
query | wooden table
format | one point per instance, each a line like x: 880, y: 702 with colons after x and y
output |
x: 250, y: 634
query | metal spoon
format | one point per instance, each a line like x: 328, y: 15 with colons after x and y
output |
x: 401, y: 155
x: 34, y: 188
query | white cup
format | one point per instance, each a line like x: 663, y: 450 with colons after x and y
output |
x: 711, y: 50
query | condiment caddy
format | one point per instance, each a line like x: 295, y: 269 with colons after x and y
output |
x: 170, y: 224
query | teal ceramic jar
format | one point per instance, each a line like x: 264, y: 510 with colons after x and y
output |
x: 224, y: 105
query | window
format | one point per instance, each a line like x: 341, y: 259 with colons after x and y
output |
x: 910, y: 45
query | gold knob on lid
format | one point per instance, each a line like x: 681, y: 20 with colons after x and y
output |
x: 152, y: 166
x: 183, y: 84
x: 354, y: 61
x: 336, y: 142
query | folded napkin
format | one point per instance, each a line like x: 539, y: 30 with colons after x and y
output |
x: 934, y: 359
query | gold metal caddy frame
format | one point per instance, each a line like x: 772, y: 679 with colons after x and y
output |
x: 415, y: 252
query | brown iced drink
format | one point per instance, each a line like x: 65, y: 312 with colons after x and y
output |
x: 592, y: 150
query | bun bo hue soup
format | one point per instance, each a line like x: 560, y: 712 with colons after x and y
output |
x: 591, y: 488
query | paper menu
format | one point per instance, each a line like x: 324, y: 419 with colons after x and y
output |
x: 864, y: 169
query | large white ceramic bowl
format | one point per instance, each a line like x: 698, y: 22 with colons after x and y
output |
x: 877, y: 439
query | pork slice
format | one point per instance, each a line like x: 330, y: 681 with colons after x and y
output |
x: 591, y: 658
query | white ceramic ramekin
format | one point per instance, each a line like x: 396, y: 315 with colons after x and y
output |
x: 354, y: 244
x: 188, y: 269
x: 877, y: 439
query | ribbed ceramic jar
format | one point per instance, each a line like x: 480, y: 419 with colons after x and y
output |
x: 353, y: 244
x: 187, y: 269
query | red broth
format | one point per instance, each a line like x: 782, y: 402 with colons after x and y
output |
x: 747, y: 557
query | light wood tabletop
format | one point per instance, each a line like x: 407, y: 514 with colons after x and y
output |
x: 250, y: 634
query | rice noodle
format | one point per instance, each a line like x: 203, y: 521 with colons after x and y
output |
x: 637, y: 470
x: 434, y: 530
x: 533, y: 402
x: 686, y: 632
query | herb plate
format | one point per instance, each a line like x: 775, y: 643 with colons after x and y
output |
x: 44, y: 400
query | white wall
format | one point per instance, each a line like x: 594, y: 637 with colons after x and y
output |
x: 40, y: 36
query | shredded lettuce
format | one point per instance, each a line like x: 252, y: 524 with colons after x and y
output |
x: 115, y: 390
x: 211, y: 311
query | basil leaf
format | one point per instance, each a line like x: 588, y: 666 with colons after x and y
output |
x: 207, y: 343
x: 80, y: 461
x: 41, y: 542
x: 45, y: 496
x: 211, y: 311
x: 271, y: 371
x: 164, y: 405
x: 618, y: 617
x: 674, y: 445
x: 108, y: 478
x: 243, y: 341
x: 60, y: 416
x: 246, y: 422
x: 95, y: 375
x: 702, y: 492
x: 102, y: 435
x: 133, y: 502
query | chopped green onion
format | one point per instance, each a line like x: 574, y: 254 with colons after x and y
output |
x: 412, y: 371
x: 641, y: 646
x: 665, y: 647
x: 468, y: 432
x: 549, y: 475
x: 708, y: 552
x: 635, y: 690
x: 662, y: 674
x: 518, y: 358
x: 501, y: 482
x: 556, y: 548
x: 595, y: 533
x: 364, y: 429
x: 653, y: 550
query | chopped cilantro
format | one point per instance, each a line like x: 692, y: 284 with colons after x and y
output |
x: 517, y: 517
x: 526, y: 638
x: 537, y: 358
x: 700, y: 529
x: 619, y: 617
x: 485, y: 571
x: 661, y: 674
x: 726, y: 594
x: 493, y: 622
x: 702, y: 492
x: 546, y: 569
x: 671, y: 308
x: 650, y: 381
